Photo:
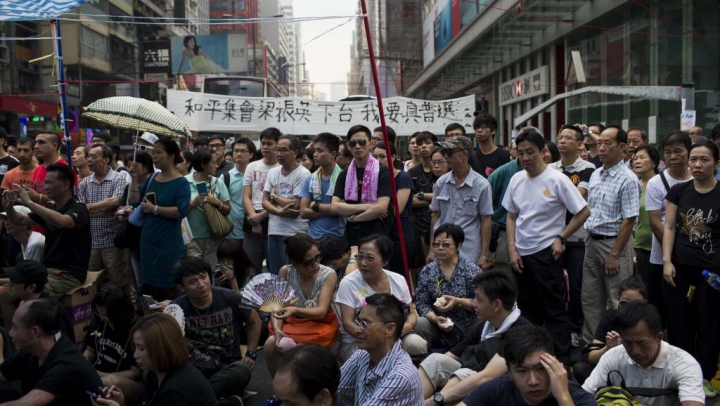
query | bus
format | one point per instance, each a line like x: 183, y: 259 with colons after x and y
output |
x: 239, y: 86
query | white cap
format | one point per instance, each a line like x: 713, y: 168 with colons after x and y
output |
x: 19, y: 209
x: 149, y: 137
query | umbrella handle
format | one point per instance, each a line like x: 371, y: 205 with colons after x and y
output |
x: 127, y: 199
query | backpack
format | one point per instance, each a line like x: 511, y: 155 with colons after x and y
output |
x: 620, y: 395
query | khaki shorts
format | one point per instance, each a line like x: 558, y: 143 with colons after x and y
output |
x: 440, y: 369
x: 60, y: 282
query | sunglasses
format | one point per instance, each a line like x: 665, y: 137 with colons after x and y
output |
x: 444, y: 244
x: 354, y: 143
x: 364, y: 324
x: 144, y: 147
x: 309, y: 262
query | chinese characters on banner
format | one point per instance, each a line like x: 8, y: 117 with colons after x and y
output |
x: 209, y: 112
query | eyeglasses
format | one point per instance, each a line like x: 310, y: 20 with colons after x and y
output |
x: 312, y: 261
x: 216, y: 146
x: 242, y: 151
x: 595, y: 132
x: 444, y: 244
x: 281, y: 150
x: 361, y: 142
x: 377, y: 139
x: 437, y: 163
x: 143, y: 147
x: 361, y: 258
x: 364, y: 324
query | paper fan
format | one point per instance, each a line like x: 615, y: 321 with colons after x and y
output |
x: 268, y: 293
x: 177, y: 312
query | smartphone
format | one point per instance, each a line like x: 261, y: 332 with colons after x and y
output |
x: 219, y: 272
x: 149, y: 299
x: 202, y: 188
x: 92, y: 396
x: 150, y: 197
x: 586, y: 131
x: 11, y: 195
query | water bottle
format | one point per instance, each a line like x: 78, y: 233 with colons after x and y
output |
x: 712, y: 279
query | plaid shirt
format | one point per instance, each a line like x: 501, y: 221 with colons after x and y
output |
x: 392, y: 382
x: 103, y: 228
x: 614, y: 195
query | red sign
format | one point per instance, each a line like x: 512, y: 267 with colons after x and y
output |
x: 17, y: 104
x: 518, y: 88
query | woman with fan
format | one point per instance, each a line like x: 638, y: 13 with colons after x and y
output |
x: 310, y: 319
x: 374, y: 252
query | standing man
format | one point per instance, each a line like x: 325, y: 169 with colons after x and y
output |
x: 102, y: 192
x: 578, y: 171
x: 243, y: 150
x: 281, y: 199
x: 462, y: 197
x: 46, y: 151
x: 362, y: 193
x: 7, y: 162
x: 537, y: 201
x: 344, y: 156
x: 591, y: 142
x: 101, y: 138
x: 454, y: 130
x: 24, y: 173
x: 318, y: 189
x: 614, y: 200
x: 380, y: 372
x: 424, y: 180
x: 255, y: 229
x: 217, y: 147
x: 636, y: 138
x: 488, y: 156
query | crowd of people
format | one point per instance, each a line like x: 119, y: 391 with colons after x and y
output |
x: 534, y: 272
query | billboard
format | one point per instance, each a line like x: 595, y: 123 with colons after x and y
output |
x: 443, y: 25
x: 445, y: 21
x: 155, y: 57
x: 209, y: 54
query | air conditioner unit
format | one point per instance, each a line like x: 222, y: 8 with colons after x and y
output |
x: 4, y: 54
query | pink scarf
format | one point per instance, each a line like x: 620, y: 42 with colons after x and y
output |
x: 369, y: 184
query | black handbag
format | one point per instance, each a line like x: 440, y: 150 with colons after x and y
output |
x: 128, y: 236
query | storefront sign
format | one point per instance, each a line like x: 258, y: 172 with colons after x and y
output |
x: 156, y: 57
x: 532, y: 84
x: 209, y: 112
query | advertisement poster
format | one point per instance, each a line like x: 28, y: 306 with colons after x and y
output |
x: 209, y: 54
x: 443, y: 25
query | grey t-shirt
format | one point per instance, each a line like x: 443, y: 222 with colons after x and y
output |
x: 286, y: 185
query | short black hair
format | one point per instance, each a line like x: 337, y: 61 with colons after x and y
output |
x: 393, y: 151
x: 554, y: 151
x: 521, y: 341
x: 114, y: 150
x: 452, y: 230
x: 455, y: 126
x: 709, y: 145
x: 634, y: 282
x: 297, y: 246
x: 333, y: 247
x: 598, y: 125
x: 105, y: 152
x: 643, y: 133
x: 312, y: 368
x: 424, y: 136
x: 532, y: 135
x: 187, y: 156
x: 346, y: 151
x: 295, y: 144
x: 25, y: 140
x: 270, y: 133
x: 144, y: 159
x: 576, y: 129
x: 678, y: 138
x: 201, y: 142
x: 190, y: 266
x: 630, y: 314
x: 217, y: 137
x: 201, y: 158
x: 171, y: 148
x: 498, y: 285
x: 64, y: 174
x: 389, y: 309
x: 53, y: 139
x: 391, y: 133
x: 620, y: 136
x: 44, y: 314
x: 247, y: 142
x: 103, y: 135
x: 330, y: 141
x: 488, y: 120
x: 359, y: 129
x: 381, y: 242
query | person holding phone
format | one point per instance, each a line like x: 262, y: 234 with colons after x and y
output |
x: 164, y: 199
x: 205, y: 188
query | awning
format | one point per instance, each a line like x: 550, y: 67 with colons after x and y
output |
x: 17, y: 104
x: 14, y: 10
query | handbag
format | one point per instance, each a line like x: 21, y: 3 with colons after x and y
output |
x: 220, y: 225
x: 138, y: 217
x: 306, y: 331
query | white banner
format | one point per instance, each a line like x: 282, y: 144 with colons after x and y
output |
x: 216, y: 113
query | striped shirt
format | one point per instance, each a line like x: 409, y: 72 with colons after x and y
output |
x: 614, y: 195
x: 394, y: 381
x: 103, y: 228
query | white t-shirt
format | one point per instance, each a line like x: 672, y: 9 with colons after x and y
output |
x: 673, y: 369
x: 35, y: 247
x: 289, y: 185
x: 353, y: 290
x: 655, y: 200
x: 540, y: 203
x: 255, y: 175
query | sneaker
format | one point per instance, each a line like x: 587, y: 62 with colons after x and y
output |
x: 575, y: 340
x: 231, y: 401
x: 710, y: 391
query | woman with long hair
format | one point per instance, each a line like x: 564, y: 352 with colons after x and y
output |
x: 199, y: 61
x: 645, y: 163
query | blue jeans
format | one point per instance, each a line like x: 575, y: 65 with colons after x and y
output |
x: 276, y: 256
x: 573, y: 259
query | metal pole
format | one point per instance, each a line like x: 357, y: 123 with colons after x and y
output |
x: 62, y: 85
x: 398, y: 221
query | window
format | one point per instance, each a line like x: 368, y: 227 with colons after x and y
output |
x: 94, y: 44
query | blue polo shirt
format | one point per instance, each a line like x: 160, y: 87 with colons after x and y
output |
x: 324, y: 226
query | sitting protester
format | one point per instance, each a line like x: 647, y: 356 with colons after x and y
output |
x: 51, y: 371
x: 308, y: 375
x: 446, y: 291
x: 31, y: 242
x: 479, y: 357
x: 535, y: 376
x: 107, y: 341
x: 170, y: 378
x: 646, y: 361
x: 311, y: 317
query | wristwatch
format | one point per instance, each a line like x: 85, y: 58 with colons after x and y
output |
x: 439, y: 399
x: 315, y: 206
x: 562, y: 240
x: 272, y: 197
x: 251, y: 354
x: 421, y: 195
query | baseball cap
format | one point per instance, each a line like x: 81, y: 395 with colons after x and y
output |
x: 19, y: 209
x: 456, y: 143
x: 149, y: 137
x: 28, y: 271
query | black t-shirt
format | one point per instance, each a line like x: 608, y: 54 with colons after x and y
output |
x: 423, y: 182
x: 66, y: 327
x: 225, y: 167
x: 606, y: 325
x: 68, y: 249
x: 595, y: 160
x: 355, y: 231
x: 583, y: 175
x: 6, y: 164
x: 486, y: 164
x: 502, y: 391
x: 65, y: 373
x: 403, y: 181
x: 110, y: 346
x: 216, y: 329
x: 182, y: 387
x: 697, y: 225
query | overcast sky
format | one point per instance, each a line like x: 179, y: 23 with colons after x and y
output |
x: 328, y: 57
